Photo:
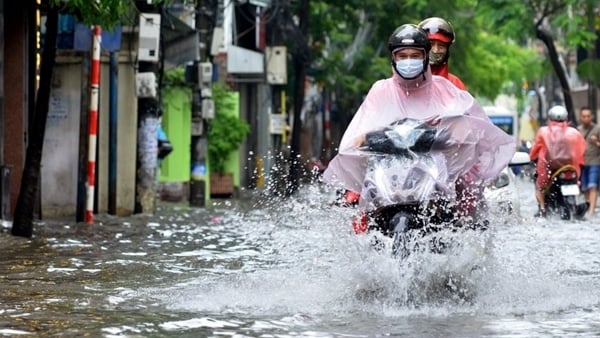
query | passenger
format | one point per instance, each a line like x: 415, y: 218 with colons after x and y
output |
x: 590, y: 172
x: 412, y: 92
x: 555, y: 145
x: 441, y: 36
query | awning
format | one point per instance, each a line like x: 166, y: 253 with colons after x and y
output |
x: 181, y: 42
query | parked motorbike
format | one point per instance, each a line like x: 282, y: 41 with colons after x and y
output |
x: 563, y: 197
x: 408, y: 190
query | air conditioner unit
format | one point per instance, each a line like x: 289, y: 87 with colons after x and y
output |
x: 145, y: 84
x: 149, y: 37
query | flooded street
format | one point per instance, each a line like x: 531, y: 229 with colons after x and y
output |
x: 259, y: 269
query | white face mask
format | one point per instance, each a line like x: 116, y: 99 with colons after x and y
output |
x: 409, y: 68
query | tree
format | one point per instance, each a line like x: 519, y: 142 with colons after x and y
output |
x: 348, y: 57
x: 23, y: 219
x: 549, y: 19
x: 106, y: 13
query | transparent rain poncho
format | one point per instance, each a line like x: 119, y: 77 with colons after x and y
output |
x: 467, y: 144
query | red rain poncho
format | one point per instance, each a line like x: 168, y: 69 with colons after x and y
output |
x: 563, y: 135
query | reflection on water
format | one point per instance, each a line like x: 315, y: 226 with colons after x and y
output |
x: 294, y: 268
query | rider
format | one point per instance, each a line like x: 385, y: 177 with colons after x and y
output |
x: 555, y: 145
x: 412, y: 92
x: 441, y: 36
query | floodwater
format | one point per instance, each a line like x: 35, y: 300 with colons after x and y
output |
x: 295, y: 269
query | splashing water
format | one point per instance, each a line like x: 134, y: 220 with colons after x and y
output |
x: 293, y: 267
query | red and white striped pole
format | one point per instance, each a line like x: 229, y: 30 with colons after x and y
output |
x: 93, y: 124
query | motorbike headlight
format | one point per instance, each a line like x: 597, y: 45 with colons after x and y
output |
x: 501, y: 181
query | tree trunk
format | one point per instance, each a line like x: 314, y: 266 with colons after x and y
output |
x: 560, y: 71
x: 301, y: 59
x: 23, y: 218
x: 296, y: 165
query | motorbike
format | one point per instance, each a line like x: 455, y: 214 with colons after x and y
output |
x: 563, y: 197
x: 408, y: 190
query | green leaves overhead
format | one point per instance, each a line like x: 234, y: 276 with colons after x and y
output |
x: 107, y: 13
x: 496, y: 49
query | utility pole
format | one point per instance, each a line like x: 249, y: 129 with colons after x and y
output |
x: 301, y: 59
x: 202, y: 108
x: 591, y: 54
x: 278, y: 81
x: 148, y: 111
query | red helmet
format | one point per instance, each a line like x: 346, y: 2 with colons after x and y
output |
x: 438, y: 29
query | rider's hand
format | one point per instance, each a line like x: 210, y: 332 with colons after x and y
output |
x: 433, y: 121
x: 359, y: 141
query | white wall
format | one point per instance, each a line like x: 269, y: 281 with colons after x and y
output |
x: 126, y: 139
x: 61, y: 143
x: 59, y: 172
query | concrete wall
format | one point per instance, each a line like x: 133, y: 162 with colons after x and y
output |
x: 580, y: 99
x: 126, y: 139
x: 60, y: 158
x: 61, y: 143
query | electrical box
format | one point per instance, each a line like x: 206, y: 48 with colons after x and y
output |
x: 277, y: 124
x: 145, y: 84
x: 208, y: 109
x: 196, y: 104
x: 205, y: 71
x: 197, y: 126
x: 149, y: 36
x: 276, y: 64
x: 206, y: 92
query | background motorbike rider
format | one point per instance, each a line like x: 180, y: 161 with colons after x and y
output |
x: 555, y: 145
x: 412, y: 92
x: 441, y: 36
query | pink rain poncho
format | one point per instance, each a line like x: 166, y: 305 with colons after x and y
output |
x: 478, y: 150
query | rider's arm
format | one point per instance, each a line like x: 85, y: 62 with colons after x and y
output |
x: 538, y: 145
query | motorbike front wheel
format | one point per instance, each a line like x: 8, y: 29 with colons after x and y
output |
x: 400, y: 245
x: 401, y: 224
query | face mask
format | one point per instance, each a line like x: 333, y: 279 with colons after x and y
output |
x: 436, y: 59
x: 409, y: 68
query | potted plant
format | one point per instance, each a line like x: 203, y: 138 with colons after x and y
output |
x: 226, y: 132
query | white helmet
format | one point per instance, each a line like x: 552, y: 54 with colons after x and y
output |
x: 558, y: 113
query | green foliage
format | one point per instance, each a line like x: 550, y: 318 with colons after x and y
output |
x: 226, y: 131
x: 495, y: 62
x: 106, y: 13
x: 490, y: 58
x: 590, y: 70
x: 175, y: 78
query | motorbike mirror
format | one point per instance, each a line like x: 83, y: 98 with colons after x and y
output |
x: 519, y: 158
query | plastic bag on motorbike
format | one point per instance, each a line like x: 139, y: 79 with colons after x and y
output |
x: 400, y: 179
x: 400, y: 168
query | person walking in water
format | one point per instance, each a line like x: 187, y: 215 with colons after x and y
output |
x: 590, y: 173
